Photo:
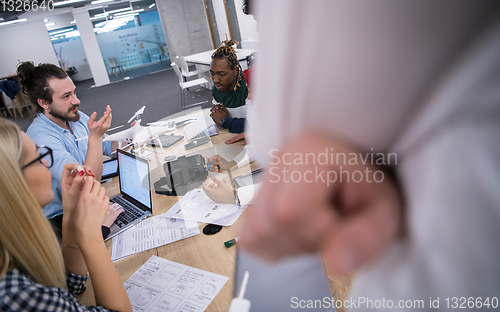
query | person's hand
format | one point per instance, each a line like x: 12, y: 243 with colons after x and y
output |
x: 298, y: 210
x: 219, y: 164
x: 218, y: 112
x: 218, y: 191
x: 98, y: 128
x: 237, y: 138
x: 71, y: 186
x: 90, y: 212
x: 112, y: 213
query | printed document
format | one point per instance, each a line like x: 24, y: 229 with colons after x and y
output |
x: 197, y: 206
x: 151, y: 233
x: 163, y: 285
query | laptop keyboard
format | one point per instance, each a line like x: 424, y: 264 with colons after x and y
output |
x: 204, y: 134
x: 129, y: 215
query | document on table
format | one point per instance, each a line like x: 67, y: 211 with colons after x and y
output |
x: 163, y: 285
x: 150, y: 233
x: 197, y: 206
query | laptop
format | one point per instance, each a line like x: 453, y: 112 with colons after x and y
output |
x: 135, y: 196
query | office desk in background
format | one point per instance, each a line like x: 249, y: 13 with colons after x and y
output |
x: 205, y: 58
x: 201, y: 251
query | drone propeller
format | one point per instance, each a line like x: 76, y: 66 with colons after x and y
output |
x: 137, y: 114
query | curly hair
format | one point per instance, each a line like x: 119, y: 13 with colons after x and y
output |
x: 227, y: 51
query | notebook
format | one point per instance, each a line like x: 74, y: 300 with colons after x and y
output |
x: 135, y: 192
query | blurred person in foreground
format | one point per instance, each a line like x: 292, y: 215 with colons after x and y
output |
x: 413, y: 79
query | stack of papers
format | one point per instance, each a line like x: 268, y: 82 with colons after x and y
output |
x: 197, y: 206
x: 179, y: 222
x: 163, y: 285
x: 151, y: 233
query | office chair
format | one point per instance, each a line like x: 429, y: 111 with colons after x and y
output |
x: 185, y: 85
x: 183, y: 66
x: 113, y: 63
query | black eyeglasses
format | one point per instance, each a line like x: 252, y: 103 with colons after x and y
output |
x: 46, y: 154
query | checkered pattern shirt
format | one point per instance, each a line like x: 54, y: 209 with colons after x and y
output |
x: 19, y: 293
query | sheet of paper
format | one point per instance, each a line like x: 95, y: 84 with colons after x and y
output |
x: 151, y: 233
x: 163, y: 285
x: 197, y: 206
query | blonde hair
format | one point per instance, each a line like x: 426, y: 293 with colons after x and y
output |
x: 27, y: 240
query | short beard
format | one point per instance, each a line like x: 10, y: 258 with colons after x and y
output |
x: 65, y: 117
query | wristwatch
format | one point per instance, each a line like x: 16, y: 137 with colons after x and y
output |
x: 222, y: 121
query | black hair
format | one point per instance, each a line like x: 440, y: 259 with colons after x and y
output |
x: 227, y: 51
x: 35, y: 81
x: 247, y: 7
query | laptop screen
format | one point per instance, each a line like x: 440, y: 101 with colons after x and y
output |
x: 133, y: 172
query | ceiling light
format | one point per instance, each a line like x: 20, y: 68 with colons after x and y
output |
x: 97, y: 17
x: 152, y: 5
x: 126, y: 15
x: 67, y: 2
x: 119, y: 10
x: 73, y: 22
x: 13, y: 22
x: 46, y: 20
x: 100, y: 1
x: 136, y: 11
x: 49, y: 24
x: 61, y: 31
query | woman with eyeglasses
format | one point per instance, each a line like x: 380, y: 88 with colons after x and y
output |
x: 37, y: 273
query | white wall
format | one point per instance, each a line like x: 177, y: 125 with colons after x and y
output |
x: 220, y: 17
x: 247, y: 24
x: 248, y: 28
x: 28, y: 41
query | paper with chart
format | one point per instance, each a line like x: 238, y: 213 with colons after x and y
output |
x: 197, y: 206
x: 151, y: 233
x: 167, y: 286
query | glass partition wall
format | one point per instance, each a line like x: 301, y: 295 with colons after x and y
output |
x: 131, y: 39
x: 129, y: 35
x: 68, y: 46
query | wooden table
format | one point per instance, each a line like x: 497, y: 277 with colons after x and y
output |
x: 201, y: 251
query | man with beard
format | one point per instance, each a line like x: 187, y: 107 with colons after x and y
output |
x: 58, y: 124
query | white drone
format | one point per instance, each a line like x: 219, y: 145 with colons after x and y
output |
x: 138, y: 135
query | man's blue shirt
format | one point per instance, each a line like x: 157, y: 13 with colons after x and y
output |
x: 66, y: 150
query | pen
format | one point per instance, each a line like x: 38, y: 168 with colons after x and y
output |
x: 208, y: 167
x: 231, y: 243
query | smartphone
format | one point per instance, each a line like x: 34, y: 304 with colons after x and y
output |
x: 249, y: 179
x: 109, y: 169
